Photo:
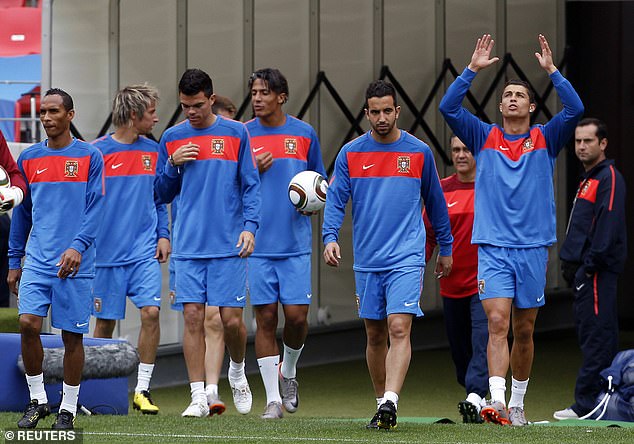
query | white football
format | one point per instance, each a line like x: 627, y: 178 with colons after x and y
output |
x: 4, y: 178
x: 307, y: 191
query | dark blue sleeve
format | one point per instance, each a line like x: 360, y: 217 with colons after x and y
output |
x: 465, y: 125
x: 435, y: 204
x: 562, y: 126
x: 167, y: 182
x: 21, y: 224
x: 95, y: 193
x: 336, y: 199
x: 609, y: 224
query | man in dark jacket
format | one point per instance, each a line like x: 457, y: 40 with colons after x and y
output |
x: 593, y: 255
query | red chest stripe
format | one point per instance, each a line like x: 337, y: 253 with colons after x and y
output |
x: 385, y: 164
x: 588, y: 190
x: 130, y: 163
x: 516, y: 148
x: 57, y: 169
x: 282, y: 146
x: 211, y: 147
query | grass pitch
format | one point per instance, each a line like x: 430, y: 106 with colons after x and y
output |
x: 337, y: 401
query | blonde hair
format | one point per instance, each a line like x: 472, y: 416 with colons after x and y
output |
x: 133, y: 98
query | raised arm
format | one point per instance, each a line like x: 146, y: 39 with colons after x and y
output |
x: 545, y: 58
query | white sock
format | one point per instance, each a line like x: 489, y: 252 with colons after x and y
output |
x: 391, y: 396
x: 198, y: 391
x: 36, y: 388
x: 70, y: 395
x: 497, y: 387
x: 212, y: 391
x: 268, y: 370
x: 236, y: 370
x: 379, y: 401
x: 518, y: 390
x: 475, y: 399
x: 289, y: 364
x: 144, y: 374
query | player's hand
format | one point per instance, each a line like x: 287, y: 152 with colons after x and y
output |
x: 185, y: 153
x: 264, y: 161
x: 163, y: 250
x: 13, y: 280
x: 332, y: 254
x: 444, y: 265
x: 481, y: 57
x: 545, y: 59
x: 69, y: 263
x: 247, y: 242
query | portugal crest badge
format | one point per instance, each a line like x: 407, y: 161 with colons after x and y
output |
x: 71, y: 168
x: 403, y: 164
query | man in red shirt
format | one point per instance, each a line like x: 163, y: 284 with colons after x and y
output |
x: 465, y: 319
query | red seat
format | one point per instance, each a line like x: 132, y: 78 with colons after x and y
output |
x: 11, y: 3
x: 20, y: 31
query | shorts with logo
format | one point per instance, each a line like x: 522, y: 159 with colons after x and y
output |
x: 219, y: 281
x: 284, y: 279
x: 70, y: 299
x: 382, y: 293
x: 140, y: 281
x: 515, y: 273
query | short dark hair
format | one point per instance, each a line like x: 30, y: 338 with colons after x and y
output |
x: 380, y: 88
x: 273, y: 78
x: 67, y: 100
x: 223, y: 103
x: 602, y: 128
x: 531, y: 93
x: 195, y: 80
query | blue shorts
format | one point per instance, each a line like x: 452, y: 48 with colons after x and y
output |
x: 516, y: 273
x: 284, y: 279
x: 221, y: 282
x: 70, y: 299
x: 140, y: 281
x: 382, y: 293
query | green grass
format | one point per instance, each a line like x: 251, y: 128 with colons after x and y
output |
x: 337, y: 400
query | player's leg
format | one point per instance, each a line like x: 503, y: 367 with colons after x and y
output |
x: 457, y: 316
x: 214, y: 357
x: 227, y: 289
x: 144, y: 289
x: 371, y: 308
x: 477, y: 377
x: 33, y: 304
x: 295, y: 295
x: 70, y: 311
x: 191, y: 281
x: 530, y: 271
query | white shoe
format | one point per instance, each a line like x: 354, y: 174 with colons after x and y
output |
x: 242, y: 397
x: 273, y: 411
x: 565, y: 414
x: 197, y: 409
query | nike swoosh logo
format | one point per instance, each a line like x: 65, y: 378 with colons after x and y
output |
x: 255, y: 150
x: 539, y: 299
x: 309, y: 296
x: 579, y: 287
x: 503, y: 148
x: 114, y: 167
x: 78, y: 325
x: 367, y: 167
x: 40, y: 171
x: 409, y: 304
x: 156, y: 299
x: 240, y: 298
x: 451, y: 204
